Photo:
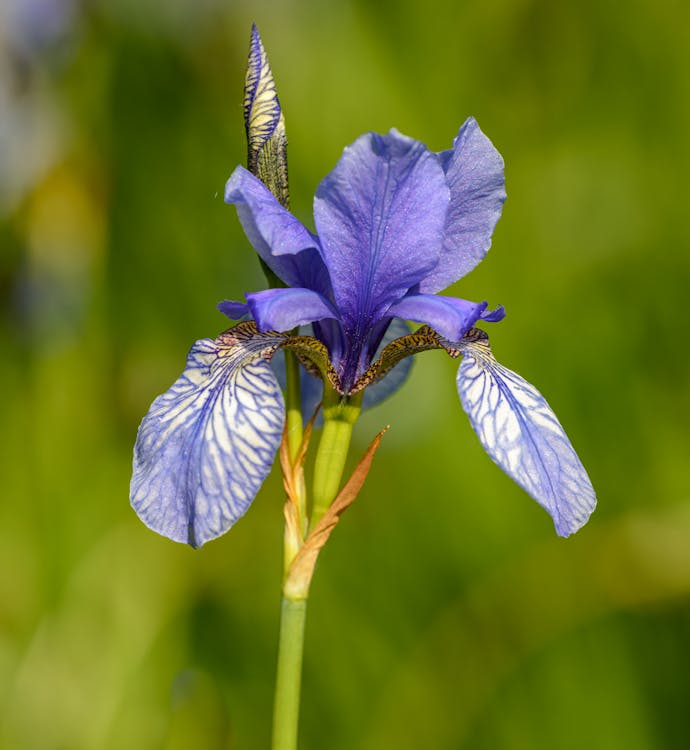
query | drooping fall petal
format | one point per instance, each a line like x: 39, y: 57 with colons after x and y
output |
x: 521, y: 434
x: 206, y: 445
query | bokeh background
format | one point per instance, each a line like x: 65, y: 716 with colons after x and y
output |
x: 445, y: 613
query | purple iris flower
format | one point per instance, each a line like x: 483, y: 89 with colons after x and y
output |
x: 396, y: 223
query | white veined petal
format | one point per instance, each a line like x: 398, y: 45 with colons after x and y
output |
x: 522, y: 435
x: 207, y: 444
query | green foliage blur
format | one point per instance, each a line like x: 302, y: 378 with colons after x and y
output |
x: 445, y: 613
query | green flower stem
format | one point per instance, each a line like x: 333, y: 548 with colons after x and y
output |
x: 293, y: 611
x: 288, y: 681
x: 339, y: 414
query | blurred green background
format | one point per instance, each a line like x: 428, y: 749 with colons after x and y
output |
x: 445, y: 612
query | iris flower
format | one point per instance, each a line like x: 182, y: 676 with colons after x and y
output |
x: 395, y: 224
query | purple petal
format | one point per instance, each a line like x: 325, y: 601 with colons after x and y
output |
x: 380, y: 216
x: 312, y: 387
x: 284, y: 309
x: 397, y: 377
x: 522, y: 435
x: 207, y: 444
x: 474, y: 171
x: 448, y: 316
x: 282, y: 242
x: 330, y: 333
x: 494, y: 316
x: 233, y: 310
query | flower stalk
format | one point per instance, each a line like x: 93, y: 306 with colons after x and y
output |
x: 293, y: 614
x: 301, y: 553
x: 340, y: 414
x: 267, y: 159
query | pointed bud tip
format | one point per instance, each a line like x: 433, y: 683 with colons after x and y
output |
x: 255, y: 39
x: 264, y: 122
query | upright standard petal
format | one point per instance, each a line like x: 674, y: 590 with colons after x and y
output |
x: 522, y: 435
x: 207, y: 444
x: 380, y: 216
x: 286, y: 246
x: 474, y: 171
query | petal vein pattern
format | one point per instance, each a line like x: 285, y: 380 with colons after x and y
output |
x: 207, y: 444
x: 521, y: 434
